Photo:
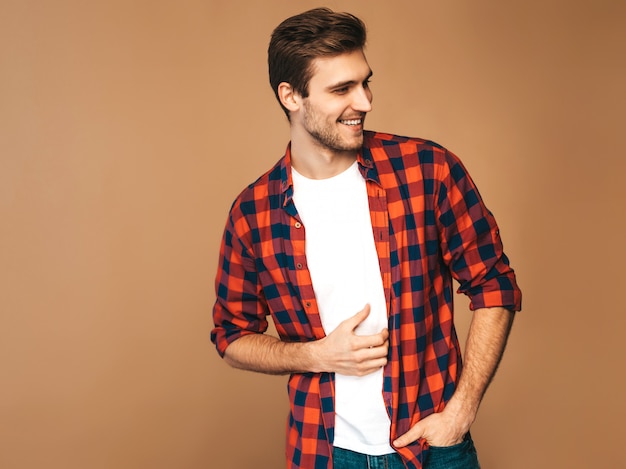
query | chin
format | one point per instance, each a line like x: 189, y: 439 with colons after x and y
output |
x: 356, y: 144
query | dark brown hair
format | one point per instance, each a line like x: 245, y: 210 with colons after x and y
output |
x: 299, y: 39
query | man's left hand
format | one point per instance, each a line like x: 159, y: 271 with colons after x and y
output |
x: 440, y: 429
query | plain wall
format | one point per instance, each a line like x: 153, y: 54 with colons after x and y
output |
x: 128, y: 127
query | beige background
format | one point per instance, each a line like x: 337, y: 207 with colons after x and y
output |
x: 128, y: 127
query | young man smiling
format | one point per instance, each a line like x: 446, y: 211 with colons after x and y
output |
x: 327, y: 125
x: 351, y: 242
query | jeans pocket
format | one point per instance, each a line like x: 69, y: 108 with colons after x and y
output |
x: 458, y: 446
x: 460, y: 456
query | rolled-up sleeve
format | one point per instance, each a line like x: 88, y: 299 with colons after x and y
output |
x: 471, y: 243
x: 239, y: 307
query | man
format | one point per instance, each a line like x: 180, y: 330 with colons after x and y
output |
x: 351, y: 242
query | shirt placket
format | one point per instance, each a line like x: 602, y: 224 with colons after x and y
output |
x: 301, y: 276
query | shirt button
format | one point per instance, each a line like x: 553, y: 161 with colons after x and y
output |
x: 298, y: 224
x: 299, y: 265
x: 308, y: 304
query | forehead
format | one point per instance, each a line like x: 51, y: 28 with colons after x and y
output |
x: 347, y: 67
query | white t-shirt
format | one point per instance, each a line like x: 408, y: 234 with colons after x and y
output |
x: 344, y: 268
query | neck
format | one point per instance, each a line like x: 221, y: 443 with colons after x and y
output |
x: 315, y: 161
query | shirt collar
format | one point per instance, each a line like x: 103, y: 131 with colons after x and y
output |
x: 286, y: 181
x: 364, y: 159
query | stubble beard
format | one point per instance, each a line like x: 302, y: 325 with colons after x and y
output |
x: 327, y: 134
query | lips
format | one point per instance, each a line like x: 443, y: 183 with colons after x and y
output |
x: 351, y: 121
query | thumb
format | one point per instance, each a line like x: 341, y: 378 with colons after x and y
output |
x: 414, y: 433
x: 359, y: 317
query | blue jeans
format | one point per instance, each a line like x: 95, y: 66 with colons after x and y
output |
x: 346, y: 459
x: 460, y: 456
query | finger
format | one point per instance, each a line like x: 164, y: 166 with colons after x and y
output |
x: 371, y: 367
x: 380, y: 339
x: 373, y: 352
x: 358, y: 318
x: 409, y: 437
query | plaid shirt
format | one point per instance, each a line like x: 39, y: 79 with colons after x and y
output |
x: 430, y: 226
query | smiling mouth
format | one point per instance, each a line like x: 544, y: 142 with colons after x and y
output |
x: 351, y: 122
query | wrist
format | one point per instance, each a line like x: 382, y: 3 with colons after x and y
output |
x: 462, y: 413
x: 312, y: 356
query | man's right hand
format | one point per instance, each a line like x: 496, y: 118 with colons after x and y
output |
x: 343, y: 351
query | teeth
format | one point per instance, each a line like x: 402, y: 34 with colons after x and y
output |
x: 351, y: 122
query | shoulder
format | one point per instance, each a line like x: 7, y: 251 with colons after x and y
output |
x: 254, y: 196
x: 394, y: 146
x: 400, y: 153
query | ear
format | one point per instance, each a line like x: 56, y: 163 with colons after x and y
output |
x: 289, y: 97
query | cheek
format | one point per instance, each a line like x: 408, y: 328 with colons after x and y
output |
x: 338, y: 110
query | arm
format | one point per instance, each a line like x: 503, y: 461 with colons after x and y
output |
x: 341, y: 351
x: 485, y: 345
x: 472, y: 249
x: 240, y: 313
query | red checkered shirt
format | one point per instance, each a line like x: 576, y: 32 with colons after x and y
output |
x: 430, y: 226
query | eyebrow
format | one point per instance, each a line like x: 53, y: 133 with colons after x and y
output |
x: 349, y: 82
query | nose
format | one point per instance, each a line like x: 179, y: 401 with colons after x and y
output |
x: 362, y: 99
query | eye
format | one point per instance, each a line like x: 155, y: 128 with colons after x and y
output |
x: 342, y: 90
x: 366, y: 83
